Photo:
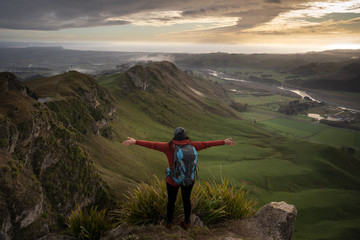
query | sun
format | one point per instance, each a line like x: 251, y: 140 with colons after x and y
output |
x: 344, y: 46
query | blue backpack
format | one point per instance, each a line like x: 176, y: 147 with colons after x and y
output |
x: 184, y: 170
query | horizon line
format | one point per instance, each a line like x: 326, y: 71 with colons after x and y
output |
x: 186, y: 48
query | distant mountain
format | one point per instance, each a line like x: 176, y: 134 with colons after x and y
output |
x: 28, y: 63
x: 277, y: 62
x: 338, y: 76
x: 331, y: 70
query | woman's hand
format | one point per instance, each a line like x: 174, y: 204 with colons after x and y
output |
x: 130, y: 141
x: 230, y: 142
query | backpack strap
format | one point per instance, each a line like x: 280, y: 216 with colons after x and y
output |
x: 170, y: 170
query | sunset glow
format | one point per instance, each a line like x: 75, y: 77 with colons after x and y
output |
x: 268, y: 24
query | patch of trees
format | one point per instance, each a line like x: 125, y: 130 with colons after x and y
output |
x: 240, y: 107
x: 292, y: 77
x: 340, y: 124
x: 263, y: 80
x: 296, y: 107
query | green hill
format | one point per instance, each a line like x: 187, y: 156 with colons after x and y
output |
x: 321, y: 181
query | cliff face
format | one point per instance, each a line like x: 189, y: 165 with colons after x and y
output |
x: 78, y: 101
x: 44, y: 172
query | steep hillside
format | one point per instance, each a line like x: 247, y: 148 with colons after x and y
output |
x: 151, y: 101
x: 44, y: 171
x: 79, y: 102
x: 164, y: 80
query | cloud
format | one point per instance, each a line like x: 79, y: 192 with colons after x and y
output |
x: 55, y: 15
x: 312, y: 16
x: 273, y: 1
x: 230, y: 21
x: 169, y: 18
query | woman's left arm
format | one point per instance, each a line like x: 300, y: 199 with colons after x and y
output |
x: 160, y: 146
x: 230, y: 142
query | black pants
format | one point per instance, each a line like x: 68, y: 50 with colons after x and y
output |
x: 172, y: 194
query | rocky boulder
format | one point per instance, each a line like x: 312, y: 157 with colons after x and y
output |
x: 274, y: 221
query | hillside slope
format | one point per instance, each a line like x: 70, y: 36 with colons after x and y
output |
x: 44, y: 171
x: 344, y: 76
x: 151, y: 100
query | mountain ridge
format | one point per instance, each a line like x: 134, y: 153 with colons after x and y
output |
x: 44, y: 171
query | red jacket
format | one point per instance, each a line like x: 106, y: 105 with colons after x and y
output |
x: 169, y: 152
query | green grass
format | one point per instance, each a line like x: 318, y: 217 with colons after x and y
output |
x: 318, y: 133
x: 322, y: 213
x: 257, y: 72
x: 293, y: 127
x: 338, y: 137
x: 253, y: 99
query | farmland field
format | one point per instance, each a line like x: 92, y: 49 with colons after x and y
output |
x: 293, y: 127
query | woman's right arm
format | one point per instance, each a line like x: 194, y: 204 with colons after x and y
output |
x: 160, y: 146
x: 129, y: 141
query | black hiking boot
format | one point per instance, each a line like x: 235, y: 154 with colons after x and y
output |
x: 185, y: 225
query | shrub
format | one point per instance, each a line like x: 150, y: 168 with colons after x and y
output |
x: 207, y: 206
x: 235, y: 203
x: 145, y: 204
x: 212, y: 202
x: 88, y: 223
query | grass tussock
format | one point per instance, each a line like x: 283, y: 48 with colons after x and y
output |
x: 211, y: 201
x: 89, y: 223
x: 214, y: 202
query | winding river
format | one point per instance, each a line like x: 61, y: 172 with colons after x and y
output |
x: 303, y: 94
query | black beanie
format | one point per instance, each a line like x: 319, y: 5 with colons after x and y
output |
x: 179, y: 134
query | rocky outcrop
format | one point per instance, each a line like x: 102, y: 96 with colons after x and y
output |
x: 140, y: 77
x: 274, y: 221
x: 80, y: 103
x: 44, y: 172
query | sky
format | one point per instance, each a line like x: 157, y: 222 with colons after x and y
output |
x: 184, y: 25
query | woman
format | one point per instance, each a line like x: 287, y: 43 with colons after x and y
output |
x: 180, y: 138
